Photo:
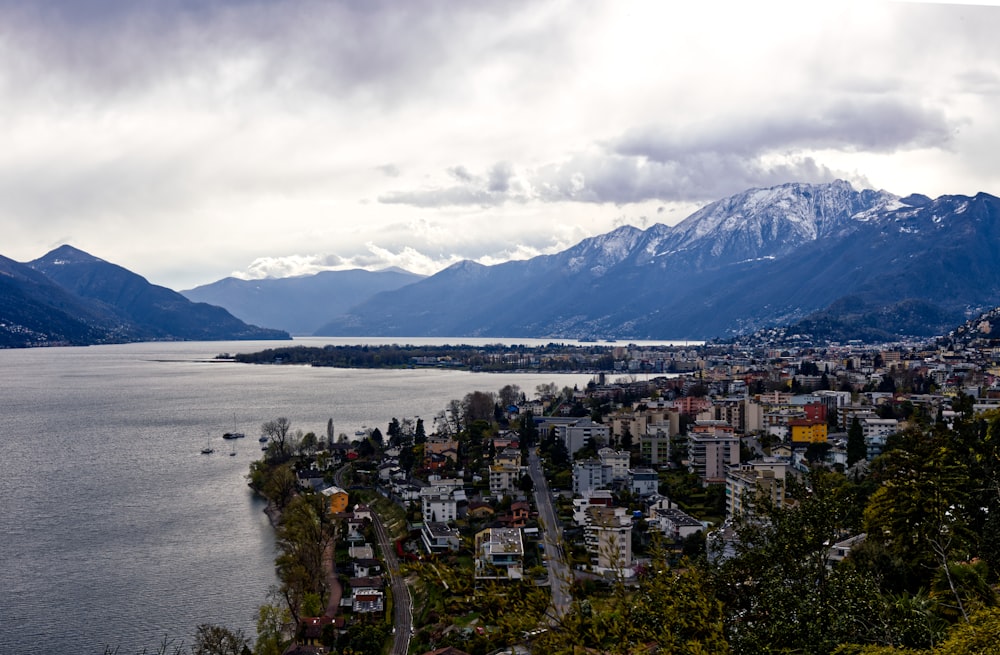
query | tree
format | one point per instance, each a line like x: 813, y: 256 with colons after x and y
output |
x: 510, y: 394
x: 394, y: 433
x: 363, y: 639
x: 779, y: 590
x: 407, y: 458
x: 279, y: 485
x: 419, y: 436
x: 271, y: 622
x: 217, y: 640
x: 856, y: 448
x: 277, y: 433
x: 547, y: 390
x: 626, y: 442
x: 308, y: 444
x: 477, y: 406
x: 920, y: 510
x: 305, y: 533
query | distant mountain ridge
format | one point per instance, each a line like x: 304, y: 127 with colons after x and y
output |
x: 69, y: 297
x: 760, y: 258
x: 299, y: 305
x: 824, y: 259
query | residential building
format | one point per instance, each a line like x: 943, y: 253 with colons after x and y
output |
x: 618, y: 460
x: 577, y: 433
x: 876, y: 431
x: 499, y: 554
x: 644, y: 482
x: 600, y: 497
x: 654, y: 446
x: 749, y: 483
x: 438, y: 505
x: 439, y: 537
x: 608, y: 537
x: 504, y: 479
x: 674, y: 523
x: 589, y: 475
x: 367, y: 599
x: 337, y: 499
x: 710, y: 453
x: 806, y: 430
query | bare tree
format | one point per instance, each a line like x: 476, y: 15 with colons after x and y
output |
x: 510, y: 394
x: 277, y: 431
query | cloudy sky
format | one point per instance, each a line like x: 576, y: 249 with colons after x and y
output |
x: 190, y: 140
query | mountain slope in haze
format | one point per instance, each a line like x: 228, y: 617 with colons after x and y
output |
x: 300, y: 304
x: 145, y: 311
x: 762, y: 257
x: 35, y: 311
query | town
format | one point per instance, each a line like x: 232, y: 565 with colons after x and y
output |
x: 778, y: 495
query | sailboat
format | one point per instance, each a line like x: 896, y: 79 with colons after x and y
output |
x: 234, y: 434
x: 232, y: 453
x: 207, y: 450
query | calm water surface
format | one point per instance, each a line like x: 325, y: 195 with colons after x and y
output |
x: 114, y: 529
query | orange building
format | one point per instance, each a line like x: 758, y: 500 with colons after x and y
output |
x: 337, y: 498
x: 804, y: 430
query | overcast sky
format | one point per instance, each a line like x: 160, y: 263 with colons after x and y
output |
x: 190, y: 140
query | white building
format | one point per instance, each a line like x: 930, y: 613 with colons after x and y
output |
x: 674, y: 523
x: 438, y: 505
x: 618, y: 460
x: 644, y: 482
x: 504, y: 479
x: 576, y: 434
x: 589, y: 475
x: 608, y: 537
x: 598, y: 497
x: 876, y: 431
x: 499, y: 554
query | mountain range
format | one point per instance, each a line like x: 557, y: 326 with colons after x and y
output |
x: 301, y: 304
x: 69, y: 297
x: 913, y: 266
x: 822, y: 259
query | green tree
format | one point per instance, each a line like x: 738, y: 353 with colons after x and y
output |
x: 308, y: 444
x: 780, y: 592
x: 280, y: 485
x: 363, y: 639
x: 856, y: 448
x: 272, y: 620
x: 626, y: 442
x: 919, y: 511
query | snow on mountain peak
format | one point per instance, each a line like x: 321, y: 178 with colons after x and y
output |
x: 767, y: 221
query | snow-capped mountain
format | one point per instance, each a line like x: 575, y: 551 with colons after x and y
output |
x: 765, y: 224
x: 759, y: 258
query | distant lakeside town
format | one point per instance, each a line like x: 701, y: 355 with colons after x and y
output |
x: 790, y: 497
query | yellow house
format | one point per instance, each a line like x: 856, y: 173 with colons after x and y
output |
x: 337, y: 498
x: 807, y: 431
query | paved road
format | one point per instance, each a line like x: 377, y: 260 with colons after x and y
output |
x: 559, y: 571
x: 402, y: 617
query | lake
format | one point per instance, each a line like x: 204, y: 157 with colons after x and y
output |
x: 116, y: 530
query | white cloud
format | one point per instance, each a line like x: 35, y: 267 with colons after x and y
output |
x: 187, y: 140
